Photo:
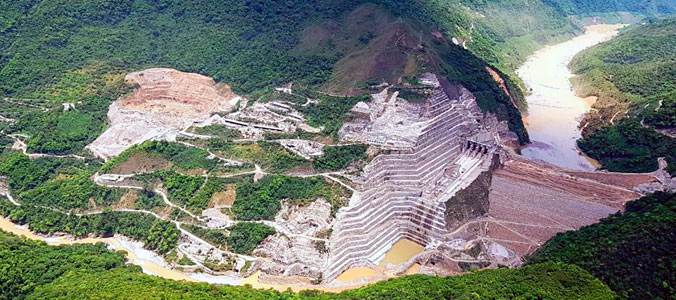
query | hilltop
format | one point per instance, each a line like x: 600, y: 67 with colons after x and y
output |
x: 286, y: 144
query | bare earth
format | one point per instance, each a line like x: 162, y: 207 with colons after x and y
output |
x: 171, y: 92
x: 531, y: 202
x: 166, y: 101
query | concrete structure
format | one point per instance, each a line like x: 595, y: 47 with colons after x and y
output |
x: 404, y: 190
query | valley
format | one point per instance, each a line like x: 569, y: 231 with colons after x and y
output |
x: 554, y: 111
x: 336, y: 149
x: 435, y: 223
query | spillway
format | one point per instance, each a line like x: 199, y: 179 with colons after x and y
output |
x: 404, y: 191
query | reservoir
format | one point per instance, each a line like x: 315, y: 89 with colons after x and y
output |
x: 554, y: 111
x: 552, y: 122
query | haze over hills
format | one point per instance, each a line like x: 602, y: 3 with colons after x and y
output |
x: 326, y: 145
x: 649, y: 8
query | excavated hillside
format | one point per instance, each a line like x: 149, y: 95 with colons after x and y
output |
x: 179, y: 94
x: 509, y: 212
x: 377, y: 46
x: 368, y: 141
x: 165, y: 102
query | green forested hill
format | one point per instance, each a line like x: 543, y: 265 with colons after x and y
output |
x: 633, y: 75
x: 245, y: 43
x: 637, y: 69
x: 632, y: 252
x: 33, y: 270
x: 630, y: 147
x: 25, y: 264
x: 546, y: 281
x: 55, y: 51
x: 502, y: 32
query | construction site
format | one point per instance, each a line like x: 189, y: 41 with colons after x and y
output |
x: 431, y: 153
x: 441, y: 193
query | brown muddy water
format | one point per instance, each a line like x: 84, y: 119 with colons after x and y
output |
x: 554, y: 111
x: 153, y: 264
x: 554, y: 114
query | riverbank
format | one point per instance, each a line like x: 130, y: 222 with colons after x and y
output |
x: 154, y: 264
x: 150, y: 262
x: 555, y: 111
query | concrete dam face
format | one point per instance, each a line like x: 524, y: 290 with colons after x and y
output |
x: 433, y: 152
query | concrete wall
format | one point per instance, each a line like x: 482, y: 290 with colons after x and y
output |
x: 404, y: 193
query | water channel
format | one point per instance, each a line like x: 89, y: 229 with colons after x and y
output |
x: 554, y: 111
x: 552, y: 122
x: 153, y: 264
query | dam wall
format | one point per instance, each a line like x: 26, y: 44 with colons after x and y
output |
x: 404, y: 192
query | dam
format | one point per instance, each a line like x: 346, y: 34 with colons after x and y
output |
x: 403, y: 192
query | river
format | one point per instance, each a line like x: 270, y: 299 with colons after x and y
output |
x: 554, y: 111
x: 153, y: 264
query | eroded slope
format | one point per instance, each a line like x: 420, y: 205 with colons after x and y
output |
x: 166, y: 101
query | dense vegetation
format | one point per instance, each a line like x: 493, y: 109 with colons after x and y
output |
x: 631, y: 251
x: 630, y: 147
x: 46, y: 125
x: 147, y: 199
x: 191, y: 192
x: 93, y: 272
x: 50, y: 188
x: 636, y: 68
x: 28, y: 264
x: 216, y: 237
x: 53, y: 182
x: 329, y: 112
x: 270, y: 156
x: 336, y: 158
x: 158, y: 235
x: 548, y: 281
x: 501, y: 40
x: 663, y: 117
x: 632, y: 75
x: 261, y: 200
x: 181, y: 156
x: 256, y: 38
x: 245, y: 237
x: 241, y: 238
x: 219, y: 131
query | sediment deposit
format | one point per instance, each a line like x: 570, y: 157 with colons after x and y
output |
x: 530, y: 202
